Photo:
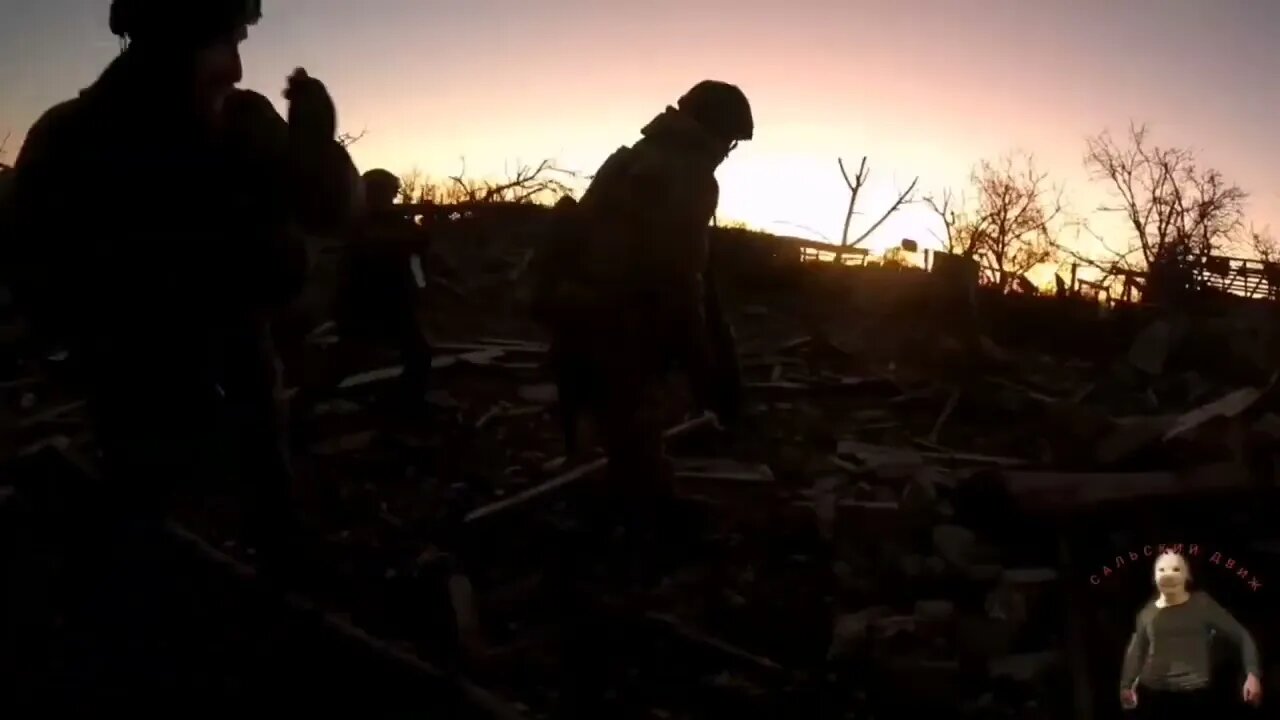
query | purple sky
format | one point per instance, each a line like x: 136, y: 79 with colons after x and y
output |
x: 924, y: 88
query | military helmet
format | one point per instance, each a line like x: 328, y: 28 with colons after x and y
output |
x: 381, y: 179
x: 191, y: 20
x: 720, y: 108
x: 380, y: 186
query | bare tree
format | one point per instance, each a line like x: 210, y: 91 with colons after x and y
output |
x: 1262, y: 244
x: 1007, y: 226
x: 1174, y: 208
x: 855, y: 187
x: 959, y: 239
x: 1016, y: 206
x: 528, y: 184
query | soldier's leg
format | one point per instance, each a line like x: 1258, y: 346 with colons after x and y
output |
x: 263, y: 466
x: 415, y: 349
x: 632, y: 430
x: 117, y: 571
x: 573, y: 381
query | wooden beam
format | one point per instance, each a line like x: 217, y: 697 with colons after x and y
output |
x: 482, y: 699
x: 572, y: 476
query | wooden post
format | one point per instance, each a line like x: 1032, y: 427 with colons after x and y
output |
x: 1077, y: 646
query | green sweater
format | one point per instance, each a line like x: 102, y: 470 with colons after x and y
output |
x: 1170, y: 648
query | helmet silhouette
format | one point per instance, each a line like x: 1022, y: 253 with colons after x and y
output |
x: 380, y: 185
x: 721, y: 108
x: 192, y: 19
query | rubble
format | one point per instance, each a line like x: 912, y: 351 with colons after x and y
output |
x: 880, y: 518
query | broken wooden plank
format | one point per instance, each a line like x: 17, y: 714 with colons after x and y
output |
x: 576, y: 474
x: 947, y: 409
x: 353, y: 442
x: 1227, y: 406
x: 303, y: 607
x: 722, y: 469
x: 371, y: 377
x: 1070, y: 491
x: 542, y: 394
x: 482, y: 358
x: 879, y: 457
x: 937, y: 452
x: 470, y: 347
x: 780, y: 385
x: 516, y: 345
x: 19, y: 383
x: 51, y: 414
x: 505, y: 411
x: 701, y: 639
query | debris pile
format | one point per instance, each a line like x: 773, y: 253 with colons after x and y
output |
x: 884, y: 532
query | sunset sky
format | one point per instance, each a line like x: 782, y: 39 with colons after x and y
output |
x: 924, y: 88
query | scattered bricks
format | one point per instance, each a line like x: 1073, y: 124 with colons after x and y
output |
x: 933, y: 618
x: 1007, y: 604
x: 912, y: 567
x: 886, y: 626
x: 867, y: 520
x: 1027, y: 667
x: 955, y: 544
x: 920, y: 497
x: 934, y: 610
x: 542, y: 394
x: 983, y: 638
x: 886, y: 462
x: 935, y: 566
x: 922, y: 682
x: 985, y: 573
x: 852, y: 630
x: 1151, y: 347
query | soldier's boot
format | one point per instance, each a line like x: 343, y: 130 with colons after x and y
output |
x: 643, y: 486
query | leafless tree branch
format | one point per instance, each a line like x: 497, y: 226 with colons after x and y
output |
x: 855, y: 184
x: 1174, y: 208
x: 349, y: 139
x: 1262, y: 244
x: 1009, y: 226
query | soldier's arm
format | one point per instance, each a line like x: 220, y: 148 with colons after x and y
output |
x: 322, y: 182
x: 1135, y: 655
x: 38, y: 225
x: 1221, y: 620
x: 326, y: 185
x: 303, y: 177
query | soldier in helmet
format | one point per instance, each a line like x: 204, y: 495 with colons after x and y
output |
x: 162, y: 281
x: 624, y: 286
x: 380, y: 299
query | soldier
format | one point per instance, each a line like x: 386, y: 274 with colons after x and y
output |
x: 624, y: 287
x: 161, y: 281
x: 379, y: 301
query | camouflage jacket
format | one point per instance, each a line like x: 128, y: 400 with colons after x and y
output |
x: 138, y: 227
x: 639, y: 234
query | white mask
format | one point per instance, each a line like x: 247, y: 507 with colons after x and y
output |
x: 1171, y: 572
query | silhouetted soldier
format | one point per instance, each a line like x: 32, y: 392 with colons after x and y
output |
x: 380, y: 298
x: 623, y: 286
x: 6, y: 229
x: 160, y: 281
